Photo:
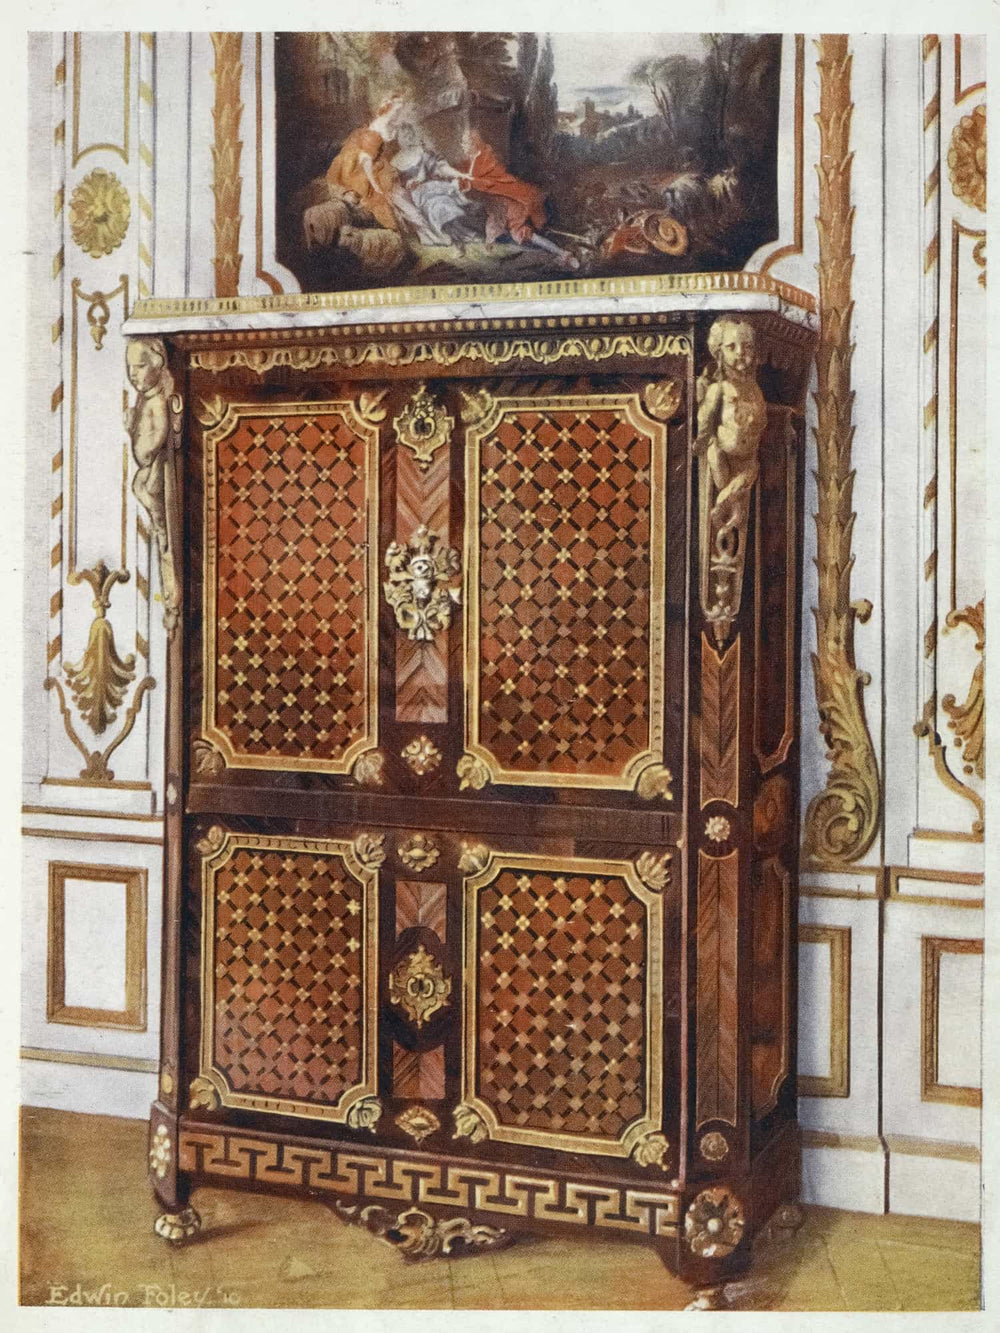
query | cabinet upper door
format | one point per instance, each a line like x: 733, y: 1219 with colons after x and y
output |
x: 454, y: 590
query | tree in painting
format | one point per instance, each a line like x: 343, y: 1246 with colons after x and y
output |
x: 423, y: 158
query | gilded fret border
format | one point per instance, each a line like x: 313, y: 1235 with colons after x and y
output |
x: 233, y: 1155
x: 653, y: 1091
x: 211, y: 731
x: 366, y: 875
x: 630, y: 406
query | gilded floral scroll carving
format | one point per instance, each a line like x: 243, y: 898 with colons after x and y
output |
x: 842, y: 820
x: 417, y: 587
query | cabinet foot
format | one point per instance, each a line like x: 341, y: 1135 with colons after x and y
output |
x: 178, y: 1227
x: 419, y: 1236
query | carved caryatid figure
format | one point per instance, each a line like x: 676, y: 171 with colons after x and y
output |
x: 153, y: 423
x: 732, y: 415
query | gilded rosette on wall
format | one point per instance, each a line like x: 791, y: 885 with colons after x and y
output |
x: 842, y: 820
x: 99, y: 211
x: 967, y: 159
x: 731, y: 420
x: 417, y: 587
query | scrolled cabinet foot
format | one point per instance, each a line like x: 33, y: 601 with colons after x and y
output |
x: 178, y: 1227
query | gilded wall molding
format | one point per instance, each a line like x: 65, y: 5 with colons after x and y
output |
x: 843, y: 819
x: 837, y: 1083
x: 227, y: 183
x: 132, y: 1017
x: 931, y: 1087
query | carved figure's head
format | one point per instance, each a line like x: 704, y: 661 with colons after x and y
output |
x: 145, y: 359
x: 733, y: 344
x: 422, y: 574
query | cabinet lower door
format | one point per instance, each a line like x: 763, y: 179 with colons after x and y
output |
x: 437, y: 991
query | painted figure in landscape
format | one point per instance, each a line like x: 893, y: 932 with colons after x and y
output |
x: 421, y: 158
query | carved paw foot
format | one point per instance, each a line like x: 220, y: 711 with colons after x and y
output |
x: 178, y: 1227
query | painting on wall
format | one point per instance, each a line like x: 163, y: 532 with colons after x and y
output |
x: 426, y: 158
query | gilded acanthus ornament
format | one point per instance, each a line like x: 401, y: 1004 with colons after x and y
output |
x: 419, y: 986
x: 203, y: 1092
x: 713, y: 1223
x: 652, y: 1150
x: 365, y: 1114
x: 469, y: 1124
x: 732, y: 415
x: 662, y: 399
x: 842, y: 819
x: 417, y: 587
x: 474, y: 858
x: 99, y: 683
x: 654, y: 870
x: 418, y: 1122
x: 206, y: 759
x: 472, y: 772
x: 421, y: 755
x: 655, y: 781
x: 154, y: 427
x: 967, y: 159
x: 212, y: 841
x: 968, y: 720
x: 476, y: 405
x: 369, y: 848
x: 418, y: 1236
x: 418, y: 853
x: 367, y: 770
x: 99, y: 212
x: 423, y: 426
x: 160, y: 1152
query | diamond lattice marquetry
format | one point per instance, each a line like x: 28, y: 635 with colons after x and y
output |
x: 291, y: 620
x: 562, y: 984
x: 565, y: 592
x: 288, y: 975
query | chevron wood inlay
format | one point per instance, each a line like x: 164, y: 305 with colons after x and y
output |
x: 418, y: 1074
x: 720, y: 724
x: 717, y: 1013
x: 419, y: 904
x: 421, y: 668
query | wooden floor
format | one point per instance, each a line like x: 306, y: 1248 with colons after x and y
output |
x: 86, y: 1232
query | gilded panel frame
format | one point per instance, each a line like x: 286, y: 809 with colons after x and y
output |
x: 211, y: 732
x: 629, y: 404
x: 135, y: 881
x: 651, y: 1122
x: 367, y: 877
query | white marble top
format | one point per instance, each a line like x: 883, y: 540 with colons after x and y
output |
x: 201, y: 315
